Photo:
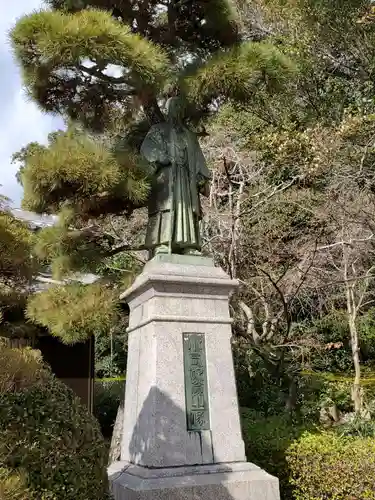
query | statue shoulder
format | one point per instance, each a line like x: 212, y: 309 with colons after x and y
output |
x: 154, y: 147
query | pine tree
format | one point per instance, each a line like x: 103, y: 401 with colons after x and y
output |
x: 17, y: 269
x: 107, y: 67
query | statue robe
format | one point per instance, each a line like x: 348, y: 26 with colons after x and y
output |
x: 179, y: 169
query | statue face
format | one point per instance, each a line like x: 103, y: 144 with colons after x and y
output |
x: 175, y: 109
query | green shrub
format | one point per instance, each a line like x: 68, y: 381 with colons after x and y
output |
x: 358, y: 427
x: 13, y: 485
x: 331, y: 466
x: 110, y: 362
x: 51, y: 448
x: 335, y: 388
x: 107, y: 397
x: 266, y: 441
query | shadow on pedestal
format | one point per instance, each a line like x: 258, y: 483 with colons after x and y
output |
x: 226, y: 481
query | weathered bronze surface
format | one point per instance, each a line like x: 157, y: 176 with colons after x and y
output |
x: 180, y: 175
x: 196, y: 390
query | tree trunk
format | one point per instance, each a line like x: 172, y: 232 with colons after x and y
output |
x: 291, y: 401
x: 354, y: 340
x: 356, y: 391
x: 115, y: 449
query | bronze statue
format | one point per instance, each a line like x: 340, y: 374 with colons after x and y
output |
x: 180, y: 175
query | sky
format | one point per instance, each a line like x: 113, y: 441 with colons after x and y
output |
x: 20, y: 120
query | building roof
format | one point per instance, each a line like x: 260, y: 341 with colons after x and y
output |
x: 34, y: 220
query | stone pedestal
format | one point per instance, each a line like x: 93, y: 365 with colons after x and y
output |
x: 182, y: 435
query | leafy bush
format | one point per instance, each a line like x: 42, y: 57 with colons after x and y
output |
x: 335, y: 389
x: 359, y: 427
x: 51, y: 448
x: 266, y: 441
x: 107, y: 397
x: 329, y: 465
x: 110, y: 364
x: 258, y: 387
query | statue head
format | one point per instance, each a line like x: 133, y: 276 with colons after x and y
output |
x: 176, y: 109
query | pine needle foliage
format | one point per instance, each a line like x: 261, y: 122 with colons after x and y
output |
x: 74, y: 312
x: 240, y: 72
x: 70, y: 250
x: 85, y: 173
x: 18, y: 267
x: 52, y: 48
x: 107, y: 67
x: 65, y: 53
x: 13, y: 485
x: 203, y: 24
x: 16, y: 264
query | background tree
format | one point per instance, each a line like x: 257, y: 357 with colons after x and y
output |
x: 17, y: 270
x: 107, y: 68
x: 285, y: 91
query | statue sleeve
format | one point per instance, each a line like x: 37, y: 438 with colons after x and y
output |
x: 154, y: 148
x: 202, y: 171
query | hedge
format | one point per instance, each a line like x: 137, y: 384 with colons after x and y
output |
x: 51, y: 448
x: 327, y: 465
x: 267, y: 440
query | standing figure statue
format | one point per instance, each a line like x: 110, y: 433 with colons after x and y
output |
x: 180, y: 174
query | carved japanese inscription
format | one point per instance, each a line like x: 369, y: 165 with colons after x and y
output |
x: 196, y: 389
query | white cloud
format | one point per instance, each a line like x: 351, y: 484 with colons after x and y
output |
x: 20, y: 120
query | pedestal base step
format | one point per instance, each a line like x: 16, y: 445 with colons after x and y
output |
x: 234, y: 481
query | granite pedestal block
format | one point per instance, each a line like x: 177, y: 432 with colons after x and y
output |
x: 160, y: 457
x: 236, y: 481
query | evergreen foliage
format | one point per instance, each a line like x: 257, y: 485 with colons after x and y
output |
x: 331, y: 466
x: 17, y: 269
x: 16, y: 265
x: 71, y: 312
x: 52, y: 48
x: 107, y: 68
x: 84, y: 172
x: 240, y: 73
x: 285, y: 90
x: 50, y: 446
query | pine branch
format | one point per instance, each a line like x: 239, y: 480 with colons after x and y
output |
x: 97, y: 73
x: 124, y: 248
x: 51, y: 45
